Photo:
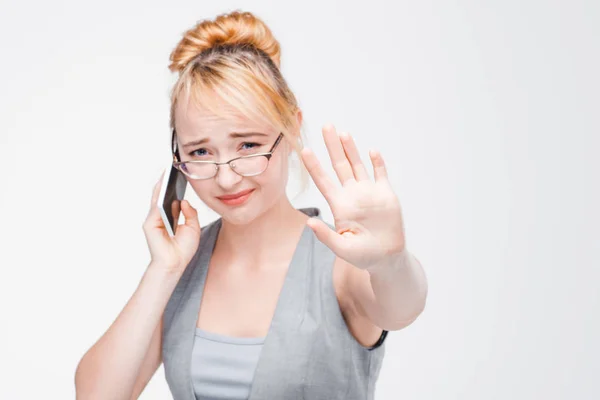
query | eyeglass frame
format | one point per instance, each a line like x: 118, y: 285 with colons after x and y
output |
x: 177, y: 162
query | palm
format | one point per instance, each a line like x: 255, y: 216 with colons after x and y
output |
x: 367, y: 214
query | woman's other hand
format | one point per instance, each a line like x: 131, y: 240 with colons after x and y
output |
x: 172, y: 253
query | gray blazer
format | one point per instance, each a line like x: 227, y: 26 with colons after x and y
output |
x: 308, y: 353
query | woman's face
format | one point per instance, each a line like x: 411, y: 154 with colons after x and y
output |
x: 195, y: 123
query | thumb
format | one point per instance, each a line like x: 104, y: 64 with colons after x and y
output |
x: 190, y: 214
x: 325, y: 234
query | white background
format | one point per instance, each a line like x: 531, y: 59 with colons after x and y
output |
x: 485, y: 111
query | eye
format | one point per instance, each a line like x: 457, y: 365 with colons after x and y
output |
x: 251, y: 145
x: 193, y: 153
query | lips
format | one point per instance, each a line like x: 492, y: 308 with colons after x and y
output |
x: 235, y: 195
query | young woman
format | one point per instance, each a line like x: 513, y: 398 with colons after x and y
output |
x: 268, y: 301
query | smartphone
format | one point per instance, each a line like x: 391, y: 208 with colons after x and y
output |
x: 172, y: 190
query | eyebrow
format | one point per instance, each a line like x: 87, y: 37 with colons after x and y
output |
x: 233, y: 135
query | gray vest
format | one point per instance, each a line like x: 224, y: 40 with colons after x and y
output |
x: 308, y: 353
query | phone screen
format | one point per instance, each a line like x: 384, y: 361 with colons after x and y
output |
x: 171, y: 205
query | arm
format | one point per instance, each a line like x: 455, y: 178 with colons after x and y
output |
x: 150, y: 364
x: 110, y: 369
x: 392, y: 294
x: 385, y: 282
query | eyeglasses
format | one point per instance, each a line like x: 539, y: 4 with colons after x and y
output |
x: 250, y: 165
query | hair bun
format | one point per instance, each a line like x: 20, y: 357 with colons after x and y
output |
x: 236, y: 27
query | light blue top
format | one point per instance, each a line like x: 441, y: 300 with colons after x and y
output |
x: 223, y: 366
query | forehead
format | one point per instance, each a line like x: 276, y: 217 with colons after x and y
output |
x: 215, y: 120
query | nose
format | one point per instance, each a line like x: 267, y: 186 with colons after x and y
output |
x: 226, y: 177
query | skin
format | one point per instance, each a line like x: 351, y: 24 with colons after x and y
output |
x: 378, y: 283
x: 254, y: 248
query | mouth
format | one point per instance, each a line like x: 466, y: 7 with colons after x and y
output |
x: 236, y: 198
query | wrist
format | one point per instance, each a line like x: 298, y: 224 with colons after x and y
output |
x: 165, y: 270
x: 395, y: 261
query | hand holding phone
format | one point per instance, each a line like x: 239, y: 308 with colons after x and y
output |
x: 171, y: 246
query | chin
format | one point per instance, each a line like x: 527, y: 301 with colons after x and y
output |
x: 237, y: 216
x: 241, y: 215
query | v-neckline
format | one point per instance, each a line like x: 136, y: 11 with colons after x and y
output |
x: 200, y: 274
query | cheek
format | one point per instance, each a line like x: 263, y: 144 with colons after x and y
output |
x: 276, y: 175
x: 201, y: 188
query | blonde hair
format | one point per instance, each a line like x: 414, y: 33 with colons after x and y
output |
x: 236, y: 59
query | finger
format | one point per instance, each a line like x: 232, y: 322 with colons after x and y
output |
x: 175, y: 211
x: 190, y: 214
x: 322, y: 181
x: 379, y: 170
x: 327, y: 236
x: 340, y: 162
x: 360, y: 173
x: 153, y: 218
x: 156, y: 191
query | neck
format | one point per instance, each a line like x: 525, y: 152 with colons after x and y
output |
x: 270, y: 234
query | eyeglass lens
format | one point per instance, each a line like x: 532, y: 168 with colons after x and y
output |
x: 246, y: 166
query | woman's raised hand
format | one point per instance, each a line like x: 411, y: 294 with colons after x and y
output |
x: 369, y: 228
x: 171, y: 253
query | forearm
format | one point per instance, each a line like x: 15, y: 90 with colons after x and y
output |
x: 110, y: 368
x: 400, y: 290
